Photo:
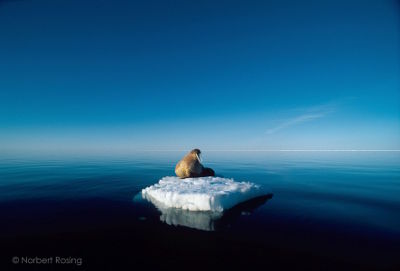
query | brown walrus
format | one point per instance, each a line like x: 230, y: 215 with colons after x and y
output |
x: 190, y: 166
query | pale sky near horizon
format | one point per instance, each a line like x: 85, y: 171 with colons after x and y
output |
x: 124, y: 75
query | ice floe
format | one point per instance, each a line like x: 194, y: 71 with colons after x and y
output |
x: 214, y: 194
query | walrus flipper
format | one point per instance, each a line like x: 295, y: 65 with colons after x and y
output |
x: 207, y: 172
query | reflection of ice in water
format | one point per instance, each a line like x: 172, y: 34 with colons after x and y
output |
x: 206, y: 220
x: 197, y: 220
x: 198, y: 202
x: 201, y: 220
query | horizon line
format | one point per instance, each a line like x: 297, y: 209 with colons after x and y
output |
x: 288, y: 150
x: 128, y: 150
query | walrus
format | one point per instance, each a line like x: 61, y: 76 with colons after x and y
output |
x: 190, y: 166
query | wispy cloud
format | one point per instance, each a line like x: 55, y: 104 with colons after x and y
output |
x: 308, y: 114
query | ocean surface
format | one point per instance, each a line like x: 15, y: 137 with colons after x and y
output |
x: 326, y: 211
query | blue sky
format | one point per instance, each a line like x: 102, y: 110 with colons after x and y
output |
x: 126, y: 75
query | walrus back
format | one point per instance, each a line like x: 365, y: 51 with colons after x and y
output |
x: 188, y: 167
x: 180, y: 170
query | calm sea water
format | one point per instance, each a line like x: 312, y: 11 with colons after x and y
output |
x: 329, y: 210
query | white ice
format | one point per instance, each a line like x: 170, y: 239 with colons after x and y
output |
x: 214, y: 194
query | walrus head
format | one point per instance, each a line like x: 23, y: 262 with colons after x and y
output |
x: 196, y: 153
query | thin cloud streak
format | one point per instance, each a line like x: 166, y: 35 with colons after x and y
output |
x: 312, y: 113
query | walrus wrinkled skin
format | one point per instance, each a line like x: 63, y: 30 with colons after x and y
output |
x: 190, y: 166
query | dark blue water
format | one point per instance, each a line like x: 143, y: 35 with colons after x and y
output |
x: 329, y: 210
